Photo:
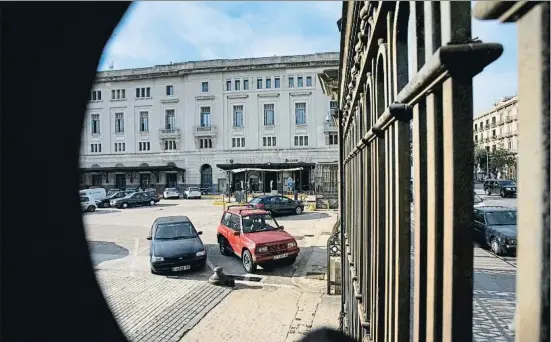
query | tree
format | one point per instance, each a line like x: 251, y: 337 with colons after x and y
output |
x: 480, y: 157
x: 501, y: 158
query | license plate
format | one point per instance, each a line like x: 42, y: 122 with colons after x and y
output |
x: 281, y: 256
x: 181, y: 268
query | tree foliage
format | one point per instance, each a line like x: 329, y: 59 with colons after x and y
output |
x: 497, y: 159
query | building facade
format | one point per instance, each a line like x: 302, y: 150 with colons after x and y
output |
x: 195, y: 123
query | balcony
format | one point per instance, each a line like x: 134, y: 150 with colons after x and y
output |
x: 494, y: 137
x: 487, y: 126
x: 169, y: 133
x: 493, y: 125
x: 329, y: 126
x: 508, y: 119
x: 204, y: 131
x: 486, y: 139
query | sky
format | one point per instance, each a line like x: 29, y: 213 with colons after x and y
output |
x: 153, y: 33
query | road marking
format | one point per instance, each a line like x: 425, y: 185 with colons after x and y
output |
x: 136, y: 251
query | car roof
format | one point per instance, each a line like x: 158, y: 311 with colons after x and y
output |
x: 171, y: 219
x: 495, y: 208
x: 245, y: 210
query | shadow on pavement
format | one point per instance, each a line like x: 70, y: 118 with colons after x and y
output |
x: 101, y: 251
x: 302, y: 217
x: 196, y: 274
x: 102, y: 211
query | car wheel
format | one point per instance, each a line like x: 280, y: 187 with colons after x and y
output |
x: 223, y: 245
x: 91, y: 208
x: 298, y: 210
x: 502, y: 193
x: 152, y: 202
x: 199, y: 197
x: 248, y: 263
x: 496, y: 247
x: 488, y: 192
x: 124, y: 205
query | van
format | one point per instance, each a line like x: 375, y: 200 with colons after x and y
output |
x: 97, y: 194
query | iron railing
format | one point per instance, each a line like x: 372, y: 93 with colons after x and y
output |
x: 377, y: 101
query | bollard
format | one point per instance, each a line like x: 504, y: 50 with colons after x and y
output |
x: 218, y: 278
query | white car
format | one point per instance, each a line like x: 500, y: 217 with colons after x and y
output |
x: 192, y: 193
x: 87, y: 204
x: 171, y: 193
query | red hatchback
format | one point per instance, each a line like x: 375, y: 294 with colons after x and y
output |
x: 256, y: 237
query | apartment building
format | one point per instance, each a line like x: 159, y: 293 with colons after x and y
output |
x: 195, y: 123
x: 497, y: 127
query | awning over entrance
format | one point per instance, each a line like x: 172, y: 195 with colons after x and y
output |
x: 266, y: 170
x: 273, y: 167
x: 130, y: 170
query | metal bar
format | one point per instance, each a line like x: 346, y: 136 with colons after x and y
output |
x: 342, y: 212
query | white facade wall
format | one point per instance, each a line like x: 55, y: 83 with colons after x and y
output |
x: 187, y: 100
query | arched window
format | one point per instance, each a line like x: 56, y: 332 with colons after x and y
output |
x: 206, y: 176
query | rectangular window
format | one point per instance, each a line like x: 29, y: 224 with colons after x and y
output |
x: 245, y: 84
x: 259, y: 83
x: 144, y: 146
x: 238, y: 142
x: 113, y: 92
x: 120, y: 147
x: 301, y: 140
x: 95, y: 95
x: 142, y: 93
x: 205, y: 87
x: 228, y: 85
x: 276, y: 83
x: 269, y: 141
x: 144, y: 122
x: 268, y: 83
x: 333, y: 139
x: 332, y: 104
x: 95, y: 123
x: 308, y: 81
x: 269, y: 114
x: 170, y: 145
x: 300, y: 113
x: 119, y: 123
x: 170, y: 119
x: 299, y: 82
x: 238, y: 117
x: 95, y: 148
x: 169, y: 90
x: 205, y: 143
x: 118, y: 94
x: 237, y: 85
x: 291, y: 82
x: 205, y: 117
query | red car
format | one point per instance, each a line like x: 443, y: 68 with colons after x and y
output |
x: 256, y: 237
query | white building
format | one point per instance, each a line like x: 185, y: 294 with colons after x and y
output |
x: 187, y: 124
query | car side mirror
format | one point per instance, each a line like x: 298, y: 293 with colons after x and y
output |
x: 148, y: 238
x: 236, y: 233
x: 199, y: 233
x: 282, y: 227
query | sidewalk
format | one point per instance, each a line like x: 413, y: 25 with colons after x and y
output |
x: 271, y: 312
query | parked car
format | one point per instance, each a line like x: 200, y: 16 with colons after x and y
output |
x: 204, y: 191
x: 496, y: 227
x: 133, y: 200
x: 256, y: 237
x: 278, y: 204
x: 87, y: 204
x: 192, y: 193
x: 97, y: 194
x: 106, y: 202
x: 171, y: 193
x: 478, y: 201
x: 112, y: 191
x: 153, y: 194
x: 175, y: 245
x: 503, y: 187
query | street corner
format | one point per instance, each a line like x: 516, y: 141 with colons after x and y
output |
x: 157, y: 308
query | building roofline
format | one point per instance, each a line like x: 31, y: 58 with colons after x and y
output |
x: 497, y: 107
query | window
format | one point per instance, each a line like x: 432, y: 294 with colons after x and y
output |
x: 276, y: 82
x: 259, y: 83
x: 228, y: 85
x: 143, y: 93
x: 238, y: 142
x: 269, y: 115
x: 118, y: 94
x: 291, y: 82
x: 238, y: 116
x: 333, y: 139
x: 95, y: 148
x: 170, y: 145
x: 300, y: 113
x: 205, y: 116
x: 95, y: 95
x: 237, y: 85
x: 332, y: 104
x: 205, y: 87
x: 119, y: 123
x: 269, y: 141
x: 205, y: 143
x: 169, y: 90
x: 144, y: 146
x: 95, y: 123
x: 308, y: 81
x: 510, y: 145
x: 170, y: 119
x: 144, y: 122
x: 96, y: 180
x: 268, y: 83
x: 301, y: 140
x: 245, y: 84
x: 299, y: 82
x: 120, y: 147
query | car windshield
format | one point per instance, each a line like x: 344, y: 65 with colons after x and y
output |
x: 500, y: 218
x: 477, y: 199
x: 256, y: 200
x: 258, y: 223
x: 507, y: 183
x: 84, y: 199
x: 174, y: 231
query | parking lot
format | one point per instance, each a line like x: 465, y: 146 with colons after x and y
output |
x: 157, y: 307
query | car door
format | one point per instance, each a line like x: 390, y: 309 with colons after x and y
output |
x: 137, y: 198
x: 286, y: 204
x: 478, y: 225
x: 235, y: 240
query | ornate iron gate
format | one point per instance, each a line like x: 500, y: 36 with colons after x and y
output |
x: 377, y: 101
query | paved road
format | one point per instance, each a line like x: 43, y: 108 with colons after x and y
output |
x: 161, y: 308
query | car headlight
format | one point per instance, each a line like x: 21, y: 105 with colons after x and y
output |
x: 201, y: 253
x: 262, y: 249
x: 508, y: 189
x: 156, y: 258
x: 291, y: 244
